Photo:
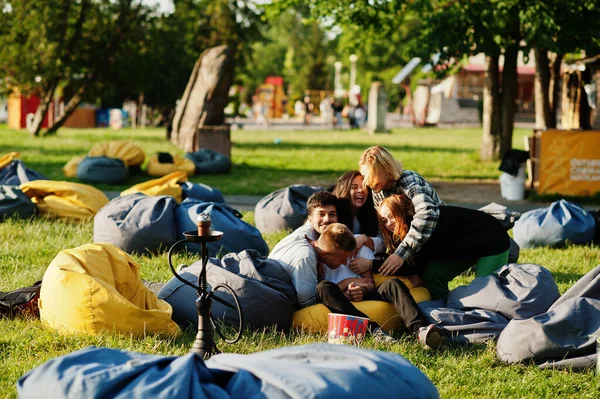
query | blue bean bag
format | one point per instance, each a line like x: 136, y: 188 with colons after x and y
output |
x: 283, y: 209
x: 13, y: 202
x: 305, y: 371
x: 562, y: 221
x: 102, y: 170
x: 201, y: 191
x: 137, y: 223
x: 208, y: 161
x: 238, y: 235
x: 16, y: 173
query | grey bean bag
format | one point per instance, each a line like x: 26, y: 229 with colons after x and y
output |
x: 208, y: 161
x: 267, y: 296
x: 562, y: 221
x: 14, y: 203
x: 201, y: 191
x: 506, y: 216
x: 104, y: 170
x: 137, y: 223
x: 481, y: 310
x: 564, y: 336
x: 283, y: 209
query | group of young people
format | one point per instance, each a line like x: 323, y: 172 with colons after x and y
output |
x: 387, y: 220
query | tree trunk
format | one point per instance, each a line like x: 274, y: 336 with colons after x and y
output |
x: 510, y: 87
x: 554, y: 92
x: 69, y: 108
x: 42, y: 109
x: 490, y: 142
x: 543, y: 111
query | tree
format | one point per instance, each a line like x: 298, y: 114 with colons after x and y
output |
x: 62, y: 45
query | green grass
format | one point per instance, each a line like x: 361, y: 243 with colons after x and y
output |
x: 261, y: 166
x: 28, y: 246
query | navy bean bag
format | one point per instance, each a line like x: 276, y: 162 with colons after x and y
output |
x: 266, y: 293
x: 208, y: 161
x: 13, y: 202
x: 562, y: 221
x: 305, y: 371
x: 16, y: 173
x: 102, y: 170
x: 201, y: 191
x: 137, y: 223
x: 238, y: 235
x: 283, y: 209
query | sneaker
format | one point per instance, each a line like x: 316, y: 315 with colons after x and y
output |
x: 381, y: 337
x: 431, y: 337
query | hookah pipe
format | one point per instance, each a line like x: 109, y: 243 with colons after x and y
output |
x: 204, y: 344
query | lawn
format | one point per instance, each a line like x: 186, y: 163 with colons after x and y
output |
x: 27, y: 247
x: 262, y: 166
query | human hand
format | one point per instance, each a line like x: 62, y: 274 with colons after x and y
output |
x: 354, y: 292
x: 360, y: 265
x: 391, y: 265
x: 360, y: 241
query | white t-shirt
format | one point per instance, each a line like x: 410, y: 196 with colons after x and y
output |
x: 344, y: 272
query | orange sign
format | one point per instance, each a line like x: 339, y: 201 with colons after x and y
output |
x: 570, y: 162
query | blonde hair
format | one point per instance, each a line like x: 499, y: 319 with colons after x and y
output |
x: 402, y: 210
x: 377, y: 159
x: 336, y: 237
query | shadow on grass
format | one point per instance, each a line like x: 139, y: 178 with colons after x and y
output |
x: 566, y: 278
x: 346, y: 146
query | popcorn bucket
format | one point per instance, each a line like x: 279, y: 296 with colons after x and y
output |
x: 346, y: 329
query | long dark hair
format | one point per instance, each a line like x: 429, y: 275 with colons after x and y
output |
x: 366, y: 214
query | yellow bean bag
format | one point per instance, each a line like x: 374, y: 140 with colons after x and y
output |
x: 6, y: 159
x: 64, y: 199
x: 97, y: 287
x: 126, y: 151
x: 155, y: 168
x: 70, y: 168
x: 166, y: 185
x: 314, y: 318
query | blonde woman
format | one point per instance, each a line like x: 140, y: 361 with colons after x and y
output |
x: 385, y: 176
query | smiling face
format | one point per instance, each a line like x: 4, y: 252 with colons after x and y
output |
x: 322, y: 217
x: 387, y: 218
x: 358, y: 194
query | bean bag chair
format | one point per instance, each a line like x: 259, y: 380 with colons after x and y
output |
x: 7, y: 159
x: 562, y: 221
x: 70, y: 168
x: 126, y: 151
x: 14, y: 203
x: 63, y: 199
x: 237, y: 234
x: 16, y: 173
x: 166, y: 185
x: 102, y: 170
x: 208, y: 161
x: 202, y: 192
x: 314, y: 318
x: 305, y: 371
x: 164, y: 163
x: 562, y: 337
x: 97, y: 288
x: 283, y: 209
x: 267, y: 296
x: 137, y: 223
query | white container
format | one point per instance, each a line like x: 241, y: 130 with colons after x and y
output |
x: 512, y: 188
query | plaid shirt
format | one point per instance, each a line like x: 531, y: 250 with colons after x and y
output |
x: 427, y: 211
